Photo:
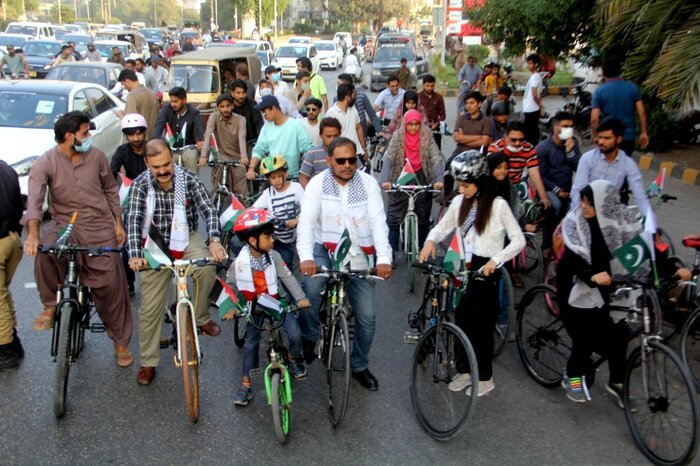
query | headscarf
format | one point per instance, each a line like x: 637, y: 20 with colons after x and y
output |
x: 411, y: 148
x: 618, y: 224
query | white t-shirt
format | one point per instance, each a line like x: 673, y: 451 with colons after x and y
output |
x: 529, y: 104
x: 314, y: 131
x: 284, y: 205
x: 348, y: 121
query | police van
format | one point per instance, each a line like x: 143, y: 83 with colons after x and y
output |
x: 390, y: 49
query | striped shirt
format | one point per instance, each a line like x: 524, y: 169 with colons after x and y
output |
x: 526, y: 158
x: 314, y: 161
x: 284, y: 205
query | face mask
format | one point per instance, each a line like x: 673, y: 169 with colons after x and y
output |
x: 265, y: 92
x: 304, y: 86
x: 514, y: 149
x: 276, y: 77
x: 84, y: 145
x: 566, y: 133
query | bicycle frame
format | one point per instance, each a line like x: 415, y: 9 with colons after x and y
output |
x: 182, y: 269
x: 179, y: 151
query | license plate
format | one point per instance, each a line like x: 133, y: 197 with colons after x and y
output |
x: 32, y: 74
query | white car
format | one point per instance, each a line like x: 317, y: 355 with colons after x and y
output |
x: 286, y: 58
x: 29, y: 109
x: 329, y: 53
x: 127, y: 48
x: 345, y: 35
x: 300, y: 40
x: 261, y: 45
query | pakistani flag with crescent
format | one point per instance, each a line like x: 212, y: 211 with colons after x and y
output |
x: 633, y: 253
x: 339, y: 251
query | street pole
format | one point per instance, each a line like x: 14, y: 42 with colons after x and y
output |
x: 60, y: 21
x: 275, y: 20
x: 155, y: 14
x: 260, y: 18
x: 443, y: 35
x: 87, y: 7
x: 75, y: 8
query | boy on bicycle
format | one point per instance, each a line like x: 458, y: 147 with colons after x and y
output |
x: 259, y: 269
x: 283, y: 200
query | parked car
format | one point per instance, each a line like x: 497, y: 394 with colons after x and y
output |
x: 34, y: 106
x: 300, y: 40
x: 391, y: 48
x: 286, y: 57
x: 330, y: 54
x: 256, y: 44
x: 105, y: 48
x: 104, y: 74
x: 40, y: 55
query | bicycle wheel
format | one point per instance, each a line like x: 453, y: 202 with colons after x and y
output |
x: 507, y: 316
x: 65, y: 334
x: 543, y: 343
x: 530, y: 257
x: 189, y: 362
x: 240, y: 326
x: 338, y: 368
x: 690, y: 346
x: 280, y: 407
x: 441, y: 351
x: 661, y: 405
x: 411, y: 249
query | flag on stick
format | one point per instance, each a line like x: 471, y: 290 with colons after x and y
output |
x: 228, y: 217
x: 228, y: 300
x: 155, y: 250
x: 407, y: 176
x: 124, y: 190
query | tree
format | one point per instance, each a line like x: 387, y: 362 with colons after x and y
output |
x: 558, y: 28
x: 364, y: 11
x: 658, y: 40
x: 67, y: 14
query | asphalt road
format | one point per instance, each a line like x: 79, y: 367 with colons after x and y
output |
x: 112, y: 420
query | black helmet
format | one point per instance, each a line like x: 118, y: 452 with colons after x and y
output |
x: 469, y: 166
x: 500, y: 108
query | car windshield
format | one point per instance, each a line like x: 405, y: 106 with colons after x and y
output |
x: 106, y: 49
x: 324, y: 46
x: 200, y: 79
x: 19, y: 29
x: 151, y: 33
x: 82, y: 74
x: 41, y: 49
x: 31, y: 109
x: 17, y: 41
x: 394, y: 54
x: 298, y: 40
x: 291, y: 52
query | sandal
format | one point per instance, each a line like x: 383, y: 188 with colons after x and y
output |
x: 44, y: 321
x: 124, y: 356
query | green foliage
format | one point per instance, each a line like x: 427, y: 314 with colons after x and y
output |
x: 663, y: 127
x: 480, y: 52
x: 67, y: 14
x: 445, y: 75
x: 304, y: 28
x: 366, y: 10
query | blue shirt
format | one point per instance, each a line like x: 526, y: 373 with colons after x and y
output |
x: 617, y: 98
x: 289, y: 140
x: 389, y: 102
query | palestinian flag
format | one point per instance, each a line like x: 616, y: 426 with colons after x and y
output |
x: 213, y: 150
x: 339, y: 251
x: 408, y: 176
x: 169, y: 135
x: 228, y: 300
x: 656, y: 186
x: 155, y: 250
x: 454, y: 256
x: 174, y: 140
x: 124, y: 191
x: 228, y: 217
x: 633, y: 253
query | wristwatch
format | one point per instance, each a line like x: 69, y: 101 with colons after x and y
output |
x: 213, y: 239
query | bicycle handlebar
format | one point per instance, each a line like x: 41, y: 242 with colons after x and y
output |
x: 366, y: 274
x: 232, y: 163
x: 180, y: 263
x: 183, y: 148
x: 74, y: 249
x: 412, y: 188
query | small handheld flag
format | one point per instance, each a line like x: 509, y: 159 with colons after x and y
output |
x: 124, y: 191
x: 407, y: 177
x: 228, y: 217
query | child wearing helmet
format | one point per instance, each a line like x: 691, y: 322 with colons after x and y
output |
x: 480, y: 220
x: 256, y: 270
x: 283, y: 199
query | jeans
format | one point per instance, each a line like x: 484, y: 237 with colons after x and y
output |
x: 554, y: 215
x: 251, y: 349
x: 361, y: 294
x: 286, y: 250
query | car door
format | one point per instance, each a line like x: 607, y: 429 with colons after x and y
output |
x: 107, y: 130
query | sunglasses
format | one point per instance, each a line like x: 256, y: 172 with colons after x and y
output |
x: 311, y: 109
x: 343, y: 161
x: 517, y: 139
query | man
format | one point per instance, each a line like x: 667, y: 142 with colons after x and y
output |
x: 229, y: 77
x: 189, y: 46
x: 620, y: 99
x: 404, y: 74
x: 273, y: 75
x: 363, y: 106
x: 469, y: 77
x: 500, y: 114
x: 140, y: 100
x: 316, y: 83
x: 345, y: 112
x: 11, y: 208
x: 245, y: 107
x: 286, y: 105
x: 140, y: 67
x: 433, y: 106
x: 316, y: 159
x: 472, y: 128
x: 389, y: 99
x: 155, y: 52
x: 117, y: 57
x: 78, y: 177
x: 343, y: 199
x: 228, y: 129
x: 181, y: 116
x: 520, y: 155
x: 532, y: 100
x: 281, y: 135
x: 178, y: 195
x: 300, y: 92
x: 93, y: 54
x: 558, y: 156
x: 311, y: 122
x: 608, y: 162
x: 65, y: 56
x: 118, y: 88
x: 156, y: 75
x: 243, y: 74
x: 173, y: 49
x: 15, y: 62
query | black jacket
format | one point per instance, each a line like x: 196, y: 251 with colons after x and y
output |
x: 11, y: 204
x: 195, y: 126
x: 133, y: 164
x: 253, y: 118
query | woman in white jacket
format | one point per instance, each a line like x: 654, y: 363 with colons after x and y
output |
x: 483, y: 220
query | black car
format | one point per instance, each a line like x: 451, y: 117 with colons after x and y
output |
x: 40, y: 55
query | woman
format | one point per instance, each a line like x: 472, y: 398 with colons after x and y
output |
x: 483, y: 220
x: 414, y: 143
x: 592, y: 232
x: 410, y: 102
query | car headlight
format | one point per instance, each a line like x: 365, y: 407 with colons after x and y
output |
x: 376, y: 73
x: 22, y: 167
x: 47, y: 67
x: 413, y: 69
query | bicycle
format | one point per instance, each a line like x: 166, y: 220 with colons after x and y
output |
x: 409, y: 228
x: 178, y: 152
x: 376, y: 145
x: 663, y: 199
x: 222, y: 196
x: 334, y: 343
x: 690, y: 335
x: 442, y: 348
x: 658, y: 392
x: 74, y: 312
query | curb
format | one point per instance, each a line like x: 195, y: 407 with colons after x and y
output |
x: 552, y: 90
x: 648, y: 161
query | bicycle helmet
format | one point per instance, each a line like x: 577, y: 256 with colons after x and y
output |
x: 469, y: 166
x: 252, y: 223
x: 500, y: 108
x: 272, y: 164
x: 133, y: 122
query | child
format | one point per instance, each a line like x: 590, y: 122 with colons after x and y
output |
x: 404, y: 75
x: 257, y: 270
x: 283, y: 200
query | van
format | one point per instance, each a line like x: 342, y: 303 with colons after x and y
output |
x: 43, y: 31
x: 201, y: 74
x: 391, y: 48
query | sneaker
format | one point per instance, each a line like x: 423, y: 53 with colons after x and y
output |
x: 576, y: 389
x: 485, y: 387
x: 297, y: 370
x: 244, y: 395
x: 460, y: 382
x: 615, y: 390
x: 308, y: 348
x: 9, y: 357
x: 17, y: 344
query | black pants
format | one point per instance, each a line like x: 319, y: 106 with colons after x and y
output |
x: 592, y: 330
x: 476, y: 315
x: 438, y: 140
x: 532, y: 127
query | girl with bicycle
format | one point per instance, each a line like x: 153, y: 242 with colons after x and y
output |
x: 259, y: 269
x: 483, y: 221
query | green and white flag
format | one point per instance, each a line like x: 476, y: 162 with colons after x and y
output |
x: 633, y: 253
x: 228, y: 300
x: 340, y: 249
x: 155, y: 251
x: 407, y: 177
x: 454, y: 256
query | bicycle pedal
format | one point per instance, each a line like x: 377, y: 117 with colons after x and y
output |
x: 98, y: 328
x: 256, y: 373
x: 411, y: 337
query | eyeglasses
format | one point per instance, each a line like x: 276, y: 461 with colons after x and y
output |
x: 343, y: 161
x: 311, y: 109
x: 517, y: 139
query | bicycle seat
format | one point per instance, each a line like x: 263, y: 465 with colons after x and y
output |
x: 692, y: 243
